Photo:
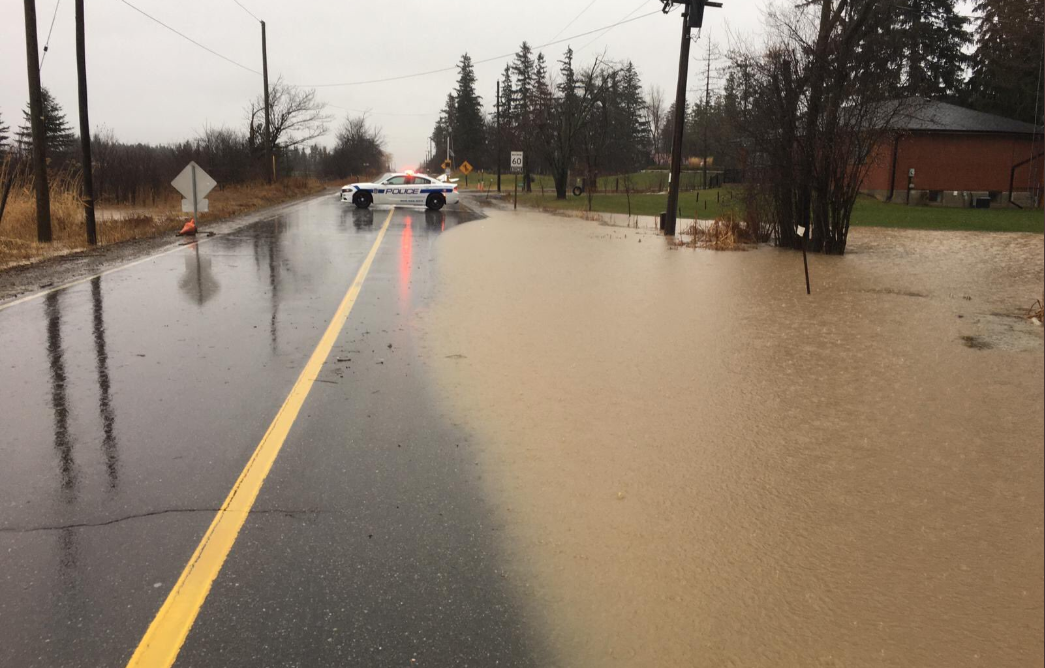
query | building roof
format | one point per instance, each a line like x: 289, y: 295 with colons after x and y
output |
x: 920, y: 115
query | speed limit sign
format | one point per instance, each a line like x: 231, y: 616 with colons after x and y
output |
x: 517, y: 162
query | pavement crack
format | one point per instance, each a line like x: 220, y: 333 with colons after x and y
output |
x: 153, y: 513
x: 115, y: 520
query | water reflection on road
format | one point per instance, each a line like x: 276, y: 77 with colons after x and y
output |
x: 129, y: 403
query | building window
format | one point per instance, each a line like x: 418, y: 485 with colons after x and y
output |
x: 994, y: 195
x: 936, y: 196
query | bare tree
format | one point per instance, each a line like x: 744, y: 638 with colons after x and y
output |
x: 360, y: 149
x: 297, y: 117
x: 576, y: 100
x: 819, y: 106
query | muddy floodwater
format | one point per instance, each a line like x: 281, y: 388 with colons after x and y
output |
x: 695, y: 464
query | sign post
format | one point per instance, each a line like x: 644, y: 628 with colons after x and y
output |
x: 517, y: 167
x: 466, y: 169
x: 194, y: 184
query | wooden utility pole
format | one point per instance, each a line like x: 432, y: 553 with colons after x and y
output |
x: 692, y: 17
x: 85, y: 127
x: 707, y: 114
x: 671, y: 215
x: 36, y: 121
x: 497, y: 155
x: 269, y: 158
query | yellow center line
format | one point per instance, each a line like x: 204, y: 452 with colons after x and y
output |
x: 166, y: 635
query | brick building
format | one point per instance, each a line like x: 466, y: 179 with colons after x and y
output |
x: 948, y: 155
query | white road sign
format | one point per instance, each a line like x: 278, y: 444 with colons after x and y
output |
x: 517, y: 162
x: 194, y: 184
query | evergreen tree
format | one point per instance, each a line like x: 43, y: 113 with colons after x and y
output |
x: 543, y: 108
x: 522, y: 69
x: 507, y: 95
x: 1006, y: 65
x: 637, y: 147
x: 562, y: 138
x: 542, y: 94
x: 507, y: 127
x: 667, y: 131
x: 467, y: 128
x: 443, y: 132
x: 59, y: 134
x: 928, y: 40
x: 4, y: 135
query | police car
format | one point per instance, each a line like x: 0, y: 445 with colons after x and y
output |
x: 402, y: 188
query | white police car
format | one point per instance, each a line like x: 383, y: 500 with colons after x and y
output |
x: 402, y: 188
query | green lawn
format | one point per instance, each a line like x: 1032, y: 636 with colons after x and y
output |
x: 712, y: 203
x: 645, y: 180
x: 868, y: 212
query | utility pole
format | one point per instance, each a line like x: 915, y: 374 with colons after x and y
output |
x: 497, y: 155
x: 36, y: 120
x: 692, y: 17
x: 707, y: 114
x: 85, y: 127
x: 269, y: 158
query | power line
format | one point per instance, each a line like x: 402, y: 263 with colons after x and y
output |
x: 247, y: 10
x: 477, y: 62
x: 611, y: 27
x: 186, y: 37
x: 574, y: 19
x: 47, y: 43
x: 381, y: 113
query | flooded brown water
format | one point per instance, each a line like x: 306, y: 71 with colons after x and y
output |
x: 697, y: 464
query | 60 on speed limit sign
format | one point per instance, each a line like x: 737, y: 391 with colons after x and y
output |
x: 517, y: 162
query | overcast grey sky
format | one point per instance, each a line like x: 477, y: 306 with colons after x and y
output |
x: 150, y: 85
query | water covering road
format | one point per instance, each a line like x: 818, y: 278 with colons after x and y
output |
x: 131, y: 402
x: 534, y: 441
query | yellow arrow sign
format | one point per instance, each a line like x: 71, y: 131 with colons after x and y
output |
x: 447, y: 164
x: 465, y: 168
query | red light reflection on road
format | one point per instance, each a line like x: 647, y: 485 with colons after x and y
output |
x: 406, y: 250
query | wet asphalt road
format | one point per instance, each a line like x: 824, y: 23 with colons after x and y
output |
x: 130, y: 403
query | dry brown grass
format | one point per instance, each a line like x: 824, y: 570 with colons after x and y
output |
x: 726, y: 232
x: 118, y: 223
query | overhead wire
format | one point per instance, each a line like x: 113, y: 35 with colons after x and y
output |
x: 611, y: 27
x: 380, y: 113
x: 248, y: 11
x: 627, y: 19
x: 476, y: 62
x: 186, y: 37
x: 47, y: 42
x: 574, y: 19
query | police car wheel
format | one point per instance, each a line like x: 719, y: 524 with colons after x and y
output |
x: 435, y: 201
x: 362, y: 200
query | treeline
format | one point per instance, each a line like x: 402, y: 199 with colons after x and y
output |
x: 597, y: 119
x: 138, y: 173
x: 591, y: 120
x: 813, y: 104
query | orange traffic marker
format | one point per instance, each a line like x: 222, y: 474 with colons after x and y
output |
x: 189, y: 230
